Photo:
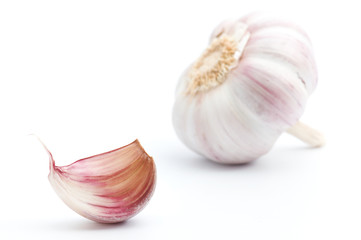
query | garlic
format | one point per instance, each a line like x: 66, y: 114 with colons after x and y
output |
x: 250, y: 85
x: 108, y: 188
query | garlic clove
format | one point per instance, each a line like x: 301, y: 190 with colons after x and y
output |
x: 108, y: 188
x: 249, y: 86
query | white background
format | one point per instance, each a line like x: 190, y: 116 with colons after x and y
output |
x: 91, y: 76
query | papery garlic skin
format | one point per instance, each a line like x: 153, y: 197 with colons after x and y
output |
x: 237, y: 117
x: 108, y: 188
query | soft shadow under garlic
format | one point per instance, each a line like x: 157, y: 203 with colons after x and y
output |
x: 286, y: 155
x: 84, y: 225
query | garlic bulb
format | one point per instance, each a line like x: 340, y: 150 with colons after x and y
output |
x: 108, y: 188
x: 250, y: 85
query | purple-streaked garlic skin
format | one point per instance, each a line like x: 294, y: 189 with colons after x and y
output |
x: 262, y: 96
x: 107, y: 188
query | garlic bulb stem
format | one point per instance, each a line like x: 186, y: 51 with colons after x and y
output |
x: 307, y: 134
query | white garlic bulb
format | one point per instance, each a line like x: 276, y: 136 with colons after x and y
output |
x: 250, y: 85
x: 108, y: 188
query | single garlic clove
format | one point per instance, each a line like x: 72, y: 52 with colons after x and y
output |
x: 248, y: 87
x: 108, y: 188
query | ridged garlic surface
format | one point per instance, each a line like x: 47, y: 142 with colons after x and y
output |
x: 250, y: 85
x: 108, y: 188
